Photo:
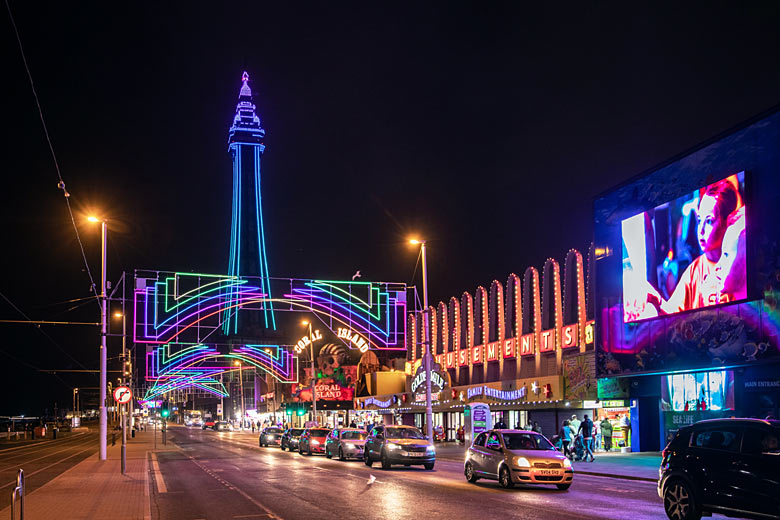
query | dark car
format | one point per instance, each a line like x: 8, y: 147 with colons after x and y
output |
x: 313, y: 441
x: 290, y: 438
x: 398, y: 445
x: 223, y: 426
x: 271, y: 435
x: 727, y: 466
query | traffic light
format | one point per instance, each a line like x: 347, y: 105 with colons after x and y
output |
x: 298, y: 409
x: 164, y: 410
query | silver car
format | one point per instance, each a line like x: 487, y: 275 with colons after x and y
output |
x: 345, y: 443
x: 517, y: 457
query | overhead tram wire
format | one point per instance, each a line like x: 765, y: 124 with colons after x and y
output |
x: 12, y: 304
x: 61, y: 183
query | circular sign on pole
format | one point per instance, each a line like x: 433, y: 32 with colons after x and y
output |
x: 122, y: 394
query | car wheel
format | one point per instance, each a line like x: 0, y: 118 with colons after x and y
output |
x: 300, y: 450
x: 367, y: 458
x: 308, y: 452
x: 505, y: 478
x: 563, y: 487
x: 428, y: 465
x: 385, y: 461
x: 341, y: 454
x: 327, y: 453
x: 679, y: 502
x: 469, y: 472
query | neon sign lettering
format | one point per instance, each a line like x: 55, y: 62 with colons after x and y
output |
x: 353, y: 337
x: 495, y: 393
x: 436, y: 380
x: 306, y: 341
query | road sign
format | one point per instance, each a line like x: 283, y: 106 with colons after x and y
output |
x: 122, y: 394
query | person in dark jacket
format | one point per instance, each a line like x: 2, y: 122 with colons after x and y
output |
x: 586, y: 430
x: 606, y: 433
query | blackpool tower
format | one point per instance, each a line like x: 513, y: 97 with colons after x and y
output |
x: 248, y: 257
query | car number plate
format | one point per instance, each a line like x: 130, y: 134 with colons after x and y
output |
x: 416, y: 454
x: 548, y: 472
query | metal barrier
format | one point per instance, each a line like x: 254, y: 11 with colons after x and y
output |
x: 18, y: 492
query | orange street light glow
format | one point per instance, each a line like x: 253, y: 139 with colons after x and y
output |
x: 93, y: 218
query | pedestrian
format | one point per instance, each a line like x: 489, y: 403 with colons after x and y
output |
x: 586, y: 429
x: 606, y: 433
x: 566, y: 437
x: 253, y: 426
x: 574, y: 423
x: 529, y: 427
x: 352, y: 424
x: 596, y: 437
x: 537, y: 428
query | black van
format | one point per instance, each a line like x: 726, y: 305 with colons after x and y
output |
x: 726, y: 466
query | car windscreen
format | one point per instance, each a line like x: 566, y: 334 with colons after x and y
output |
x: 526, y: 441
x: 273, y: 430
x: 319, y: 433
x: 354, y: 435
x: 404, y: 433
x: 296, y: 432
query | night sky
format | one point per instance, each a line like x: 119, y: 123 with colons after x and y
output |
x: 486, y: 128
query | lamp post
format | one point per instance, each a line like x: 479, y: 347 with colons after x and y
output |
x: 313, y: 389
x: 426, y: 344
x: 241, y: 393
x: 103, y: 334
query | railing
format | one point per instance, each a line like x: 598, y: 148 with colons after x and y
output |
x: 18, y: 492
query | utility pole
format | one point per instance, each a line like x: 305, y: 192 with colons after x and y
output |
x: 103, y: 346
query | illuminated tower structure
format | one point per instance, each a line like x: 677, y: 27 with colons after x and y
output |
x: 248, y: 255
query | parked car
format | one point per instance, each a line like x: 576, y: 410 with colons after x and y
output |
x: 271, y: 435
x: 290, y: 439
x: 345, y: 443
x: 398, y: 445
x: 727, y: 466
x: 517, y: 457
x: 313, y: 441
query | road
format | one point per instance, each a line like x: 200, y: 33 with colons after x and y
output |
x: 42, y: 461
x: 210, y: 475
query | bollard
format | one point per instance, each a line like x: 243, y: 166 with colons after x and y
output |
x: 132, y: 433
x: 18, y: 491
x: 113, y: 439
x: 54, y: 433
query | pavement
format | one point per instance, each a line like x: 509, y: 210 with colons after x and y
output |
x: 97, y: 489
x: 630, y: 466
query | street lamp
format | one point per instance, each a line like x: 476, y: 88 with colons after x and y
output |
x: 103, y: 336
x: 313, y: 390
x: 426, y: 343
x: 241, y: 393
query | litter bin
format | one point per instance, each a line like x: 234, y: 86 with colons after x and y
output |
x: 54, y: 432
x: 132, y: 433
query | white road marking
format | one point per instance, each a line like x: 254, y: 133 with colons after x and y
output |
x: 158, y: 478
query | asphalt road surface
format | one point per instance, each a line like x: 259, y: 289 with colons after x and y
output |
x: 42, y: 461
x: 211, y: 475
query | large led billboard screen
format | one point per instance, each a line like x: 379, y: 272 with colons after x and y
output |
x: 687, y: 271
x: 686, y: 254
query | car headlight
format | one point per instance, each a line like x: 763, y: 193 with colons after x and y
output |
x: 430, y: 449
x: 522, y: 462
x: 315, y: 441
x: 566, y: 463
x: 349, y: 446
x: 393, y: 446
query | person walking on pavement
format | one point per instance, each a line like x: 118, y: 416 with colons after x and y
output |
x: 625, y: 426
x: 566, y: 437
x: 574, y: 423
x: 606, y: 433
x: 586, y: 429
x: 537, y: 428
